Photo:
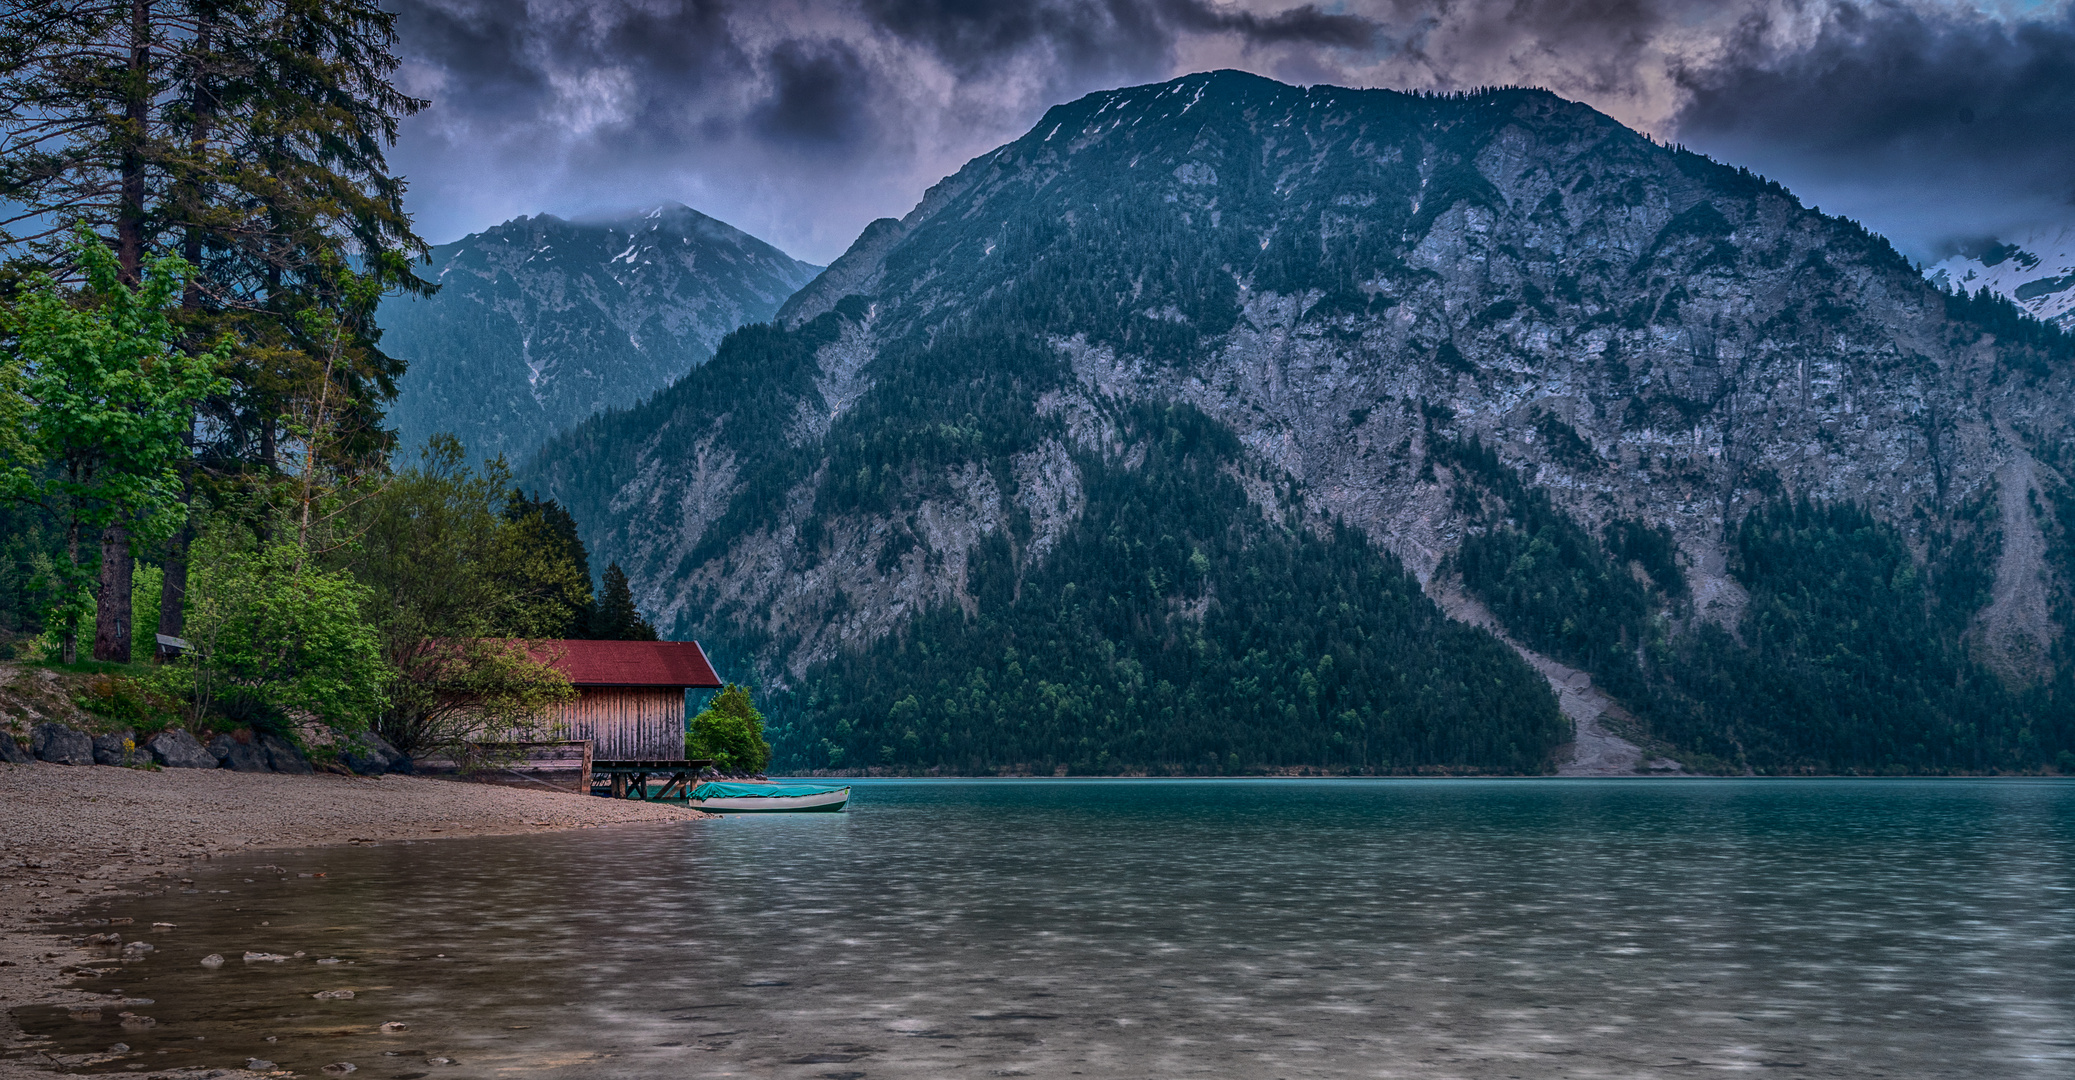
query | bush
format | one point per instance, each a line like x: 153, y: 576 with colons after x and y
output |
x: 128, y: 701
x: 276, y: 639
x: 729, y: 730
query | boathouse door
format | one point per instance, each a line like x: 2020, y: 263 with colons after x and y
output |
x: 629, y: 723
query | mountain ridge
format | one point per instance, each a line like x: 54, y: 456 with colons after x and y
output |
x: 542, y: 321
x: 1493, y: 341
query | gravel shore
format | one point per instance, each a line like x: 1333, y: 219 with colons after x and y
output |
x: 67, y: 833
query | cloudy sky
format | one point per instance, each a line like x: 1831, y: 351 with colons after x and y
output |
x: 1937, y: 122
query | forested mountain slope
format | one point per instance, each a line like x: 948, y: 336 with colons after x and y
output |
x: 1143, y: 440
x: 541, y: 322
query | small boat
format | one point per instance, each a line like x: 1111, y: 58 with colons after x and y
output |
x: 721, y: 797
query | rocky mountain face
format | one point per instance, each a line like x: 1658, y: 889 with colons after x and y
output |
x: 540, y: 322
x: 1159, y: 438
x: 2036, y: 271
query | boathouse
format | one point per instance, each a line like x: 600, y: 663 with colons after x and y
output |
x: 630, y: 695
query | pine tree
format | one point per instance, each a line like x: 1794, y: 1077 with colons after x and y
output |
x: 248, y: 135
x: 548, y: 567
x: 617, y: 619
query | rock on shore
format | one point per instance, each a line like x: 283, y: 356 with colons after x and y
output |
x: 61, y: 745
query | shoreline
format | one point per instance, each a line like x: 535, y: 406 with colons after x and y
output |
x: 71, y: 833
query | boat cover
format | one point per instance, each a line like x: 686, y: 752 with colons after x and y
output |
x: 714, y: 789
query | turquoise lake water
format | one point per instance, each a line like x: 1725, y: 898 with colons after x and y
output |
x: 1270, y: 929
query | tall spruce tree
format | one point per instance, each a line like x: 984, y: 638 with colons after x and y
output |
x: 617, y: 618
x: 548, y: 566
x: 249, y: 136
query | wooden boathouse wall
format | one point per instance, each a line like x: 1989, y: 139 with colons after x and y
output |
x: 629, y: 694
x: 628, y: 723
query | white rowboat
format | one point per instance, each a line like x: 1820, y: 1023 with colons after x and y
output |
x: 724, y: 798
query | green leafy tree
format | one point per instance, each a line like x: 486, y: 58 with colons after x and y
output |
x: 441, y: 562
x: 617, y: 618
x: 730, y: 730
x: 109, y: 394
x: 277, y: 639
x: 250, y: 136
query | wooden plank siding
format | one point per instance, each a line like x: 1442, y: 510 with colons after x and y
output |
x: 628, y: 723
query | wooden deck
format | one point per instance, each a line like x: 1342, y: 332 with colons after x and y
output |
x: 630, y: 779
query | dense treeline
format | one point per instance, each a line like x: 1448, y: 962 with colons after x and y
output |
x: 1849, y: 656
x: 1172, y: 629
x: 1175, y: 630
x: 197, y: 223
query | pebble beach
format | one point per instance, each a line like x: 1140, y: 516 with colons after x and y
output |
x: 70, y: 833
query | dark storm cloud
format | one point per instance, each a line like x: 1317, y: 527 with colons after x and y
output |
x: 801, y: 120
x: 818, y: 94
x: 798, y: 122
x: 1936, y: 122
x: 484, y: 54
x: 1089, y: 36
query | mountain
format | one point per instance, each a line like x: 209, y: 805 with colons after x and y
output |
x: 541, y: 322
x: 2037, y: 271
x: 1222, y: 426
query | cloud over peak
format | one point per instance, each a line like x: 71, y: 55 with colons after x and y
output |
x: 801, y: 120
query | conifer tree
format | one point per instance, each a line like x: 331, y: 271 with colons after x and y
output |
x: 248, y: 135
x: 617, y: 618
x: 548, y: 567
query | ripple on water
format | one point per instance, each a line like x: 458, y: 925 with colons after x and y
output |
x: 1114, y: 928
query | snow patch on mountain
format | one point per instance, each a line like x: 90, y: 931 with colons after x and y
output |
x: 2037, y: 270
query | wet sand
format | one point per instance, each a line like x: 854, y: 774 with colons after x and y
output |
x: 71, y: 833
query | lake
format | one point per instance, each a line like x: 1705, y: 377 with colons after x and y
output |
x: 1111, y: 928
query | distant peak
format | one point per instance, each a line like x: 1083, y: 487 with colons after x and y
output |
x: 643, y: 217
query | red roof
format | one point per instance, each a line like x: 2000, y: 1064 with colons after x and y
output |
x: 633, y: 663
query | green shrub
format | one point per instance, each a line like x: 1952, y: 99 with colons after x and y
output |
x: 128, y: 701
x: 275, y: 637
x: 730, y: 730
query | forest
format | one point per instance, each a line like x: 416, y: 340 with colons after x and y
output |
x: 1849, y: 658
x: 1176, y: 631
x: 201, y: 502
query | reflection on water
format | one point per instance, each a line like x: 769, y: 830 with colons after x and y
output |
x: 1162, y: 928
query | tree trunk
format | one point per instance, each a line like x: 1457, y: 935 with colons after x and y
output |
x: 173, y: 591
x: 112, y: 606
x: 203, y: 105
x: 70, y: 653
x: 173, y: 581
x: 129, y: 224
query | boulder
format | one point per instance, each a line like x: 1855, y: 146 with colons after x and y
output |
x: 61, y: 745
x: 283, y: 756
x: 12, y: 751
x: 117, y: 749
x: 238, y: 756
x: 176, y: 749
x: 370, y: 754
